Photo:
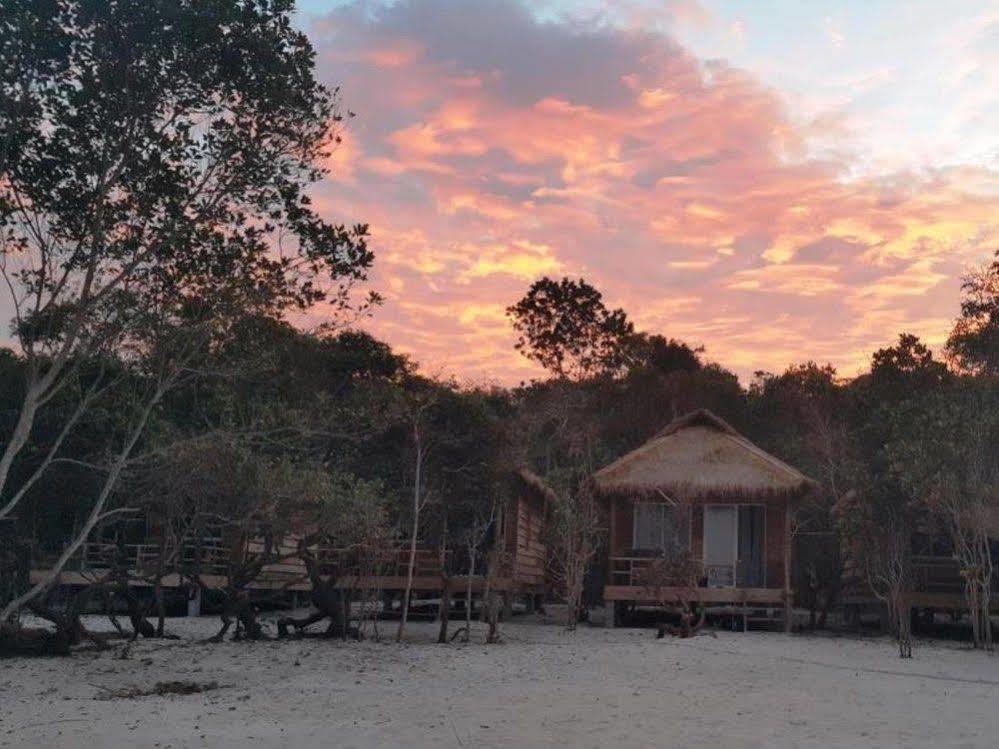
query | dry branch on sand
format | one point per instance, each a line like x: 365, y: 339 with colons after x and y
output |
x: 161, y: 688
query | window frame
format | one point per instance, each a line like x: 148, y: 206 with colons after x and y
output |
x: 671, y: 505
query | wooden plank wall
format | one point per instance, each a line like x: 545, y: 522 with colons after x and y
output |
x: 529, y: 548
x: 623, y: 510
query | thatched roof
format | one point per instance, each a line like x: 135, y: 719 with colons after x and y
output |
x: 536, y: 484
x: 992, y: 522
x: 698, y: 456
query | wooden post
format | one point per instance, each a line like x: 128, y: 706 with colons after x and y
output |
x: 609, y: 605
x: 788, y: 597
x: 507, y: 606
x: 610, y: 542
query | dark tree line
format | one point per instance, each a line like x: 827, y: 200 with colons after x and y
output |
x: 906, y: 449
x: 155, y: 230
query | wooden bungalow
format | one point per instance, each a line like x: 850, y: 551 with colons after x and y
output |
x: 519, y: 532
x: 937, y: 581
x: 519, y: 529
x: 701, y: 491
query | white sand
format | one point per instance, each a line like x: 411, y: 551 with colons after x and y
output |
x: 540, y: 688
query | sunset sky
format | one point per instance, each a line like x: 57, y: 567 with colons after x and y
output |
x: 776, y: 181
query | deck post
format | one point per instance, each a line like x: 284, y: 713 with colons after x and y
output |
x: 788, y: 602
x: 610, y: 614
x: 194, y: 602
x: 610, y: 542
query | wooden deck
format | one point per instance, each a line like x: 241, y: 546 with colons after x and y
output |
x: 97, y: 559
x: 641, y: 594
x: 937, y: 585
x: 627, y: 584
x: 459, y: 584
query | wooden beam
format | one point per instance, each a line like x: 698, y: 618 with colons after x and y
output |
x: 788, y: 596
x: 392, y: 582
x: 612, y: 509
x: 398, y: 582
x: 705, y: 595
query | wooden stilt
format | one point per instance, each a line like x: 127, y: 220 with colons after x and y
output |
x: 788, y: 596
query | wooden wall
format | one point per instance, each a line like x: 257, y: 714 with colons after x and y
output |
x: 525, y: 540
x: 623, y: 521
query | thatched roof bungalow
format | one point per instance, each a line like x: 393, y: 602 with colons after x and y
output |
x: 701, y: 491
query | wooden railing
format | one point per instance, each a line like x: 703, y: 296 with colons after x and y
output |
x: 209, y: 556
x: 940, y: 575
x: 212, y: 557
x: 632, y: 571
x: 390, y: 562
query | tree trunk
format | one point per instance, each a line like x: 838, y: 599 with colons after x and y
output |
x: 413, y: 535
x: 445, y: 610
x: 18, y: 439
x: 95, y: 516
x: 160, y: 608
x: 468, y: 594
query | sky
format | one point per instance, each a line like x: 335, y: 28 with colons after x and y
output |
x: 777, y: 181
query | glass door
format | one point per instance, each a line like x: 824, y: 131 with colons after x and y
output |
x: 721, y: 544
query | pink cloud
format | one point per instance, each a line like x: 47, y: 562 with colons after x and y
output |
x: 490, y: 149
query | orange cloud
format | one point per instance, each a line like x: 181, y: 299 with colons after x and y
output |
x: 491, y: 149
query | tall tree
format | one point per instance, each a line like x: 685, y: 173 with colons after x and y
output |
x: 565, y: 327
x: 945, y: 452
x: 154, y: 164
x: 661, y: 354
x: 156, y: 154
x: 974, y: 342
x: 803, y: 416
x: 879, y: 515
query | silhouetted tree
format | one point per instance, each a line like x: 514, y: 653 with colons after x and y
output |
x: 974, y: 342
x: 565, y: 327
x: 153, y: 156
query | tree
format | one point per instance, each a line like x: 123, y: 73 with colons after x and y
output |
x: 803, y: 416
x: 877, y: 525
x: 904, y: 369
x: 565, y: 327
x: 974, y: 343
x: 472, y: 462
x: 150, y: 151
x: 154, y: 161
x: 231, y: 509
x: 573, y: 531
x: 418, y: 405
x: 347, y: 517
x: 671, y: 579
x: 456, y: 446
x: 945, y: 452
x: 663, y: 355
x: 879, y: 514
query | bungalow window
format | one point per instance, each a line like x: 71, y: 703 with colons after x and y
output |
x: 659, y: 526
x: 932, y: 545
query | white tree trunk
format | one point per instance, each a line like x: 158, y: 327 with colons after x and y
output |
x: 18, y: 439
x: 96, y: 514
x: 468, y: 594
x: 417, y: 504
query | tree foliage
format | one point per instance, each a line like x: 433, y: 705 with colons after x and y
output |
x: 974, y: 342
x: 154, y: 165
x: 565, y: 327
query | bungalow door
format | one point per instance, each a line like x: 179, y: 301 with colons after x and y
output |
x: 721, y: 544
x: 733, y: 545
